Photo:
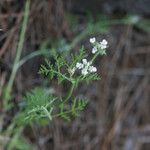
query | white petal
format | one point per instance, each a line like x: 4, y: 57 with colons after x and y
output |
x: 84, y: 61
x: 84, y: 71
x: 94, y: 50
x: 92, y: 69
x: 104, y: 42
x: 79, y: 65
x: 92, y: 40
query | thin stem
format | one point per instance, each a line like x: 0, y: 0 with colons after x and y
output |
x: 47, y: 113
x: 62, y: 75
x: 32, y: 55
x: 70, y: 92
x: 18, y: 54
x: 65, y: 112
x: 94, y: 57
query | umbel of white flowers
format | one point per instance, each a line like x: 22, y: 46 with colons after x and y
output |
x: 85, y: 67
x: 101, y: 45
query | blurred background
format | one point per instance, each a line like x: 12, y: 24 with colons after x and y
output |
x: 118, y: 114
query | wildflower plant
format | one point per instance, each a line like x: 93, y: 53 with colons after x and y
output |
x: 78, y: 68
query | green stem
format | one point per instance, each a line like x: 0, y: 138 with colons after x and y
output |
x: 63, y: 76
x: 70, y: 92
x: 65, y: 112
x: 32, y: 55
x: 18, y: 54
x: 94, y: 57
x: 47, y: 113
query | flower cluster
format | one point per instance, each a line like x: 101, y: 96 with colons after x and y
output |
x: 86, y: 67
x: 102, y: 45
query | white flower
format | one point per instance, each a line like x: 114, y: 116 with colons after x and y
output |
x: 92, y: 69
x: 86, y: 67
x: 92, y: 40
x: 79, y: 65
x: 103, y: 44
x: 94, y: 50
x: 84, y: 61
x: 84, y: 71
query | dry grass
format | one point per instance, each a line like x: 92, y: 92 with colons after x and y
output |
x: 117, y: 117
